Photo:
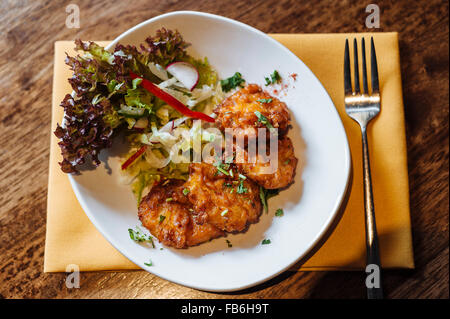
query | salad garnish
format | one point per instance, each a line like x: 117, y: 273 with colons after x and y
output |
x: 172, y: 101
x: 133, y: 157
x: 107, y: 99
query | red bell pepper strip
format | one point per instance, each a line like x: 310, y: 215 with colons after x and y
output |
x: 133, y: 157
x: 169, y: 99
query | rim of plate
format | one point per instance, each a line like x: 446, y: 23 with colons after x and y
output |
x: 325, y: 227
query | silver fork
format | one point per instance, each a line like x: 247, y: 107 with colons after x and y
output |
x: 363, y: 107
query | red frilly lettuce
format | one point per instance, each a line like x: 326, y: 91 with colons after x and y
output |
x: 102, y: 85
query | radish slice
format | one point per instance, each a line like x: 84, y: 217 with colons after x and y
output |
x: 184, y: 72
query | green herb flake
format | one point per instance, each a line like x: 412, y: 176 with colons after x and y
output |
x: 262, y: 119
x: 169, y: 199
x: 161, y: 218
x: 262, y: 196
x: 221, y: 167
x: 149, y: 264
x: 241, y: 189
x: 265, y: 194
x: 264, y: 100
x: 279, y: 212
x: 274, y: 78
x: 265, y: 242
x: 186, y: 191
x: 224, y: 212
x: 139, y: 237
x: 232, y: 82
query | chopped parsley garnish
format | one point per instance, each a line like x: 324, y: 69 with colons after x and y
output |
x: 265, y: 194
x: 169, y: 199
x: 161, y: 218
x: 287, y: 161
x: 262, y: 196
x: 232, y: 82
x: 265, y: 242
x: 229, y: 243
x: 139, y: 237
x: 186, y: 191
x: 274, y: 78
x: 242, y: 176
x: 279, y: 212
x: 221, y: 167
x: 262, y: 119
x: 264, y: 100
x: 224, y: 212
x: 149, y: 264
x: 241, y: 189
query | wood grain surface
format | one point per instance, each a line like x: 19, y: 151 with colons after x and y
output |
x: 28, y: 30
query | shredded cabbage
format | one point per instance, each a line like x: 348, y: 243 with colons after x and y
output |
x: 171, y: 136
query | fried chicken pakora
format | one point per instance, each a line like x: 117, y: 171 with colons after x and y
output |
x: 223, y: 197
x: 238, y: 111
x: 284, y: 173
x: 167, y: 213
x: 228, y: 202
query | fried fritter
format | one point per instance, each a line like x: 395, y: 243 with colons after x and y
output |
x: 282, y: 177
x: 229, y: 203
x: 238, y: 111
x: 166, y: 213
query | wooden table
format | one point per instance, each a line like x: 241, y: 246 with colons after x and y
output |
x: 28, y: 30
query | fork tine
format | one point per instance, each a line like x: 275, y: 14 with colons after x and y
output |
x: 347, y: 76
x: 356, y: 70
x: 364, y: 68
x: 374, y: 68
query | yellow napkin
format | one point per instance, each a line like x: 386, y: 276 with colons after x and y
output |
x: 72, y: 239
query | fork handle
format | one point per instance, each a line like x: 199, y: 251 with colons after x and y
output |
x: 373, y: 252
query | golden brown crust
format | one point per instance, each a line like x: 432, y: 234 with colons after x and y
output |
x: 238, y: 111
x: 177, y: 228
x: 219, y: 200
x: 284, y: 174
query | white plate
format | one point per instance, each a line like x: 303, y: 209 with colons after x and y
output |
x: 309, y: 205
